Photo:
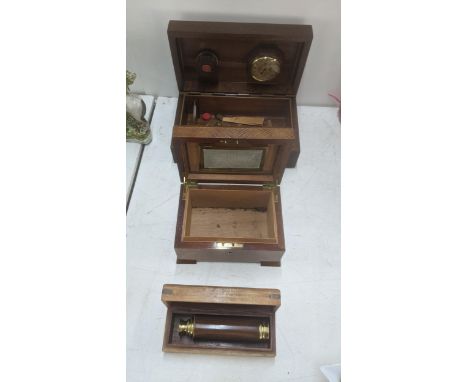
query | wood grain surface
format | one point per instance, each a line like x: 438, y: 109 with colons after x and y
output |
x: 220, y: 295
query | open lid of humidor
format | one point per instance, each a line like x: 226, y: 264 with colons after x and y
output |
x: 239, y: 58
x: 202, y: 294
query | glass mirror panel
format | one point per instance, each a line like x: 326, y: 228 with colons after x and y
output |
x: 250, y: 159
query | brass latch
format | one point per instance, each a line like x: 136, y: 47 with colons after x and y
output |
x: 221, y: 245
x: 272, y: 187
x: 188, y: 184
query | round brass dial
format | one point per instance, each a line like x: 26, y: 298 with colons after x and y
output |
x: 265, y: 68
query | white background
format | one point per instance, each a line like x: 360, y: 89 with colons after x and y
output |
x: 404, y: 195
x: 149, y: 56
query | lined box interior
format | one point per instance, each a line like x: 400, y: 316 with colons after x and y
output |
x: 276, y: 111
x: 184, y: 311
x: 230, y: 215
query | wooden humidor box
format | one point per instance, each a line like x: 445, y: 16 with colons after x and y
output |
x: 184, y: 301
x: 230, y: 204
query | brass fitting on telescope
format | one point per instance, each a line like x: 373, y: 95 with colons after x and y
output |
x: 186, y: 327
x: 264, y: 331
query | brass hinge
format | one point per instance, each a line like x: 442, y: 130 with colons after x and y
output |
x: 188, y: 184
x: 272, y: 187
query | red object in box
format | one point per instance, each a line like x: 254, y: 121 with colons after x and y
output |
x: 206, y: 116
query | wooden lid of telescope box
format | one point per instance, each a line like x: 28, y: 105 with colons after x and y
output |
x: 236, y: 124
x: 228, y: 303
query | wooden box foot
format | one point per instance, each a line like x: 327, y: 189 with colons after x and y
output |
x: 270, y: 263
x: 186, y: 261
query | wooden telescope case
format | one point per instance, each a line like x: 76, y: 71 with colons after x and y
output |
x: 235, y: 132
x: 185, y: 301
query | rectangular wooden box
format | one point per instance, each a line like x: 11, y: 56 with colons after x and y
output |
x: 230, y: 204
x: 183, y: 301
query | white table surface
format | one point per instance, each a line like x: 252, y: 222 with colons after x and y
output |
x: 308, y: 321
x: 134, y: 149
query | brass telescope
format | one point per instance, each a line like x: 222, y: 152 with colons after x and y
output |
x: 225, y: 328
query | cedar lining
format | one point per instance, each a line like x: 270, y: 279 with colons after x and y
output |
x: 230, y: 215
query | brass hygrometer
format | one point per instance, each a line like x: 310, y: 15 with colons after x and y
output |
x: 265, y: 68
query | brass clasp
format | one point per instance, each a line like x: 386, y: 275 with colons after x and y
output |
x: 221, y: 245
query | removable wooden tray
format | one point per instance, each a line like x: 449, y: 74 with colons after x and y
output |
x: 183, y: 301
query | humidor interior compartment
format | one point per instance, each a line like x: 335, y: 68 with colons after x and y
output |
x: 184, y: 311
x: 235, y: 154
x: 276, y: 111
x: 230, y: 215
